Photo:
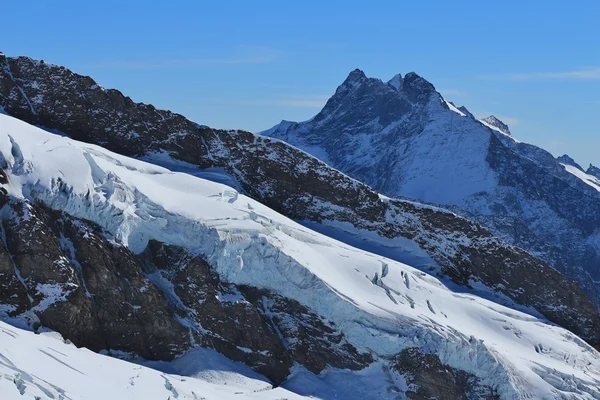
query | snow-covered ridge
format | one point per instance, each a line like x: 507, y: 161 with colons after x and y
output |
x: 585, y: 177
x: 380, y: 305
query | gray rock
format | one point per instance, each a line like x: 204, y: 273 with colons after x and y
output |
x: 428, y: 378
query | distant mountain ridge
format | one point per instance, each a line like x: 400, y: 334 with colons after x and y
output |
x: 405, y: 140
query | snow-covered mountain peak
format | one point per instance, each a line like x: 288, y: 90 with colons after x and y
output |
x: 396, y: 81
x: 495, y: 123
x: 413, y: 143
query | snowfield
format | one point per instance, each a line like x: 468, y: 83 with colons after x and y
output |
x: 380, y: 305
x: 45, y: 367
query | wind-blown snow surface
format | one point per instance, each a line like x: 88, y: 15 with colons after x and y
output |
x: 380, y: 305
x: 45, y: 367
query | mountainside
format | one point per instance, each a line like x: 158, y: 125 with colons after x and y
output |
x: 97, y: 244
x: 46, y: 367
x: 403, y: 139
x: 299, y: 186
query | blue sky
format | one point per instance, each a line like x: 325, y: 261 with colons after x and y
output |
x: 241, y: 64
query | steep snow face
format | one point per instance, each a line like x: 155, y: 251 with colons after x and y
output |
x: 405, y: 140
x: 380, y: 305
x: 45, y: 367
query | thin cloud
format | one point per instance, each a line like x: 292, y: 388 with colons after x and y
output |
x: 317, y: 101
x: 300, y: 101
x: 452, y: 92
x: 509, y: 120
x: 592, y: 73
x: 258, y: 55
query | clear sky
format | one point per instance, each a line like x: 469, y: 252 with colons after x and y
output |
x: 249, y: 64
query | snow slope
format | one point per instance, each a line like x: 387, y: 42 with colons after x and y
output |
x: 380, y: 305
x: 45, y: 367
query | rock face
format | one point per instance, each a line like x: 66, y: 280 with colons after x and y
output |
x: 304, y: 188
x: 68, y: 275
x: 84, y: 286
x: 429, y: 378
x: 594, y: 171
x: 404, y: 139
x: 313, y: 342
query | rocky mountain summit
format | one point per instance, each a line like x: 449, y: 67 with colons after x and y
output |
x: 567, y: 160
x: 405, y: 140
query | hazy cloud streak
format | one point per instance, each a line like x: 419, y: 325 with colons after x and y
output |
x: 258, y: 55
x: 580, y: 74
x: 300, y: 101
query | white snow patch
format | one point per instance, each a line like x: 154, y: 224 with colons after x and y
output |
x: 588, y: 179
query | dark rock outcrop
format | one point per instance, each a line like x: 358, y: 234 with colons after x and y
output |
x: 594, y: 171
x: 312, y: 341
x: 85, y: 286
x: 429, y: 378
